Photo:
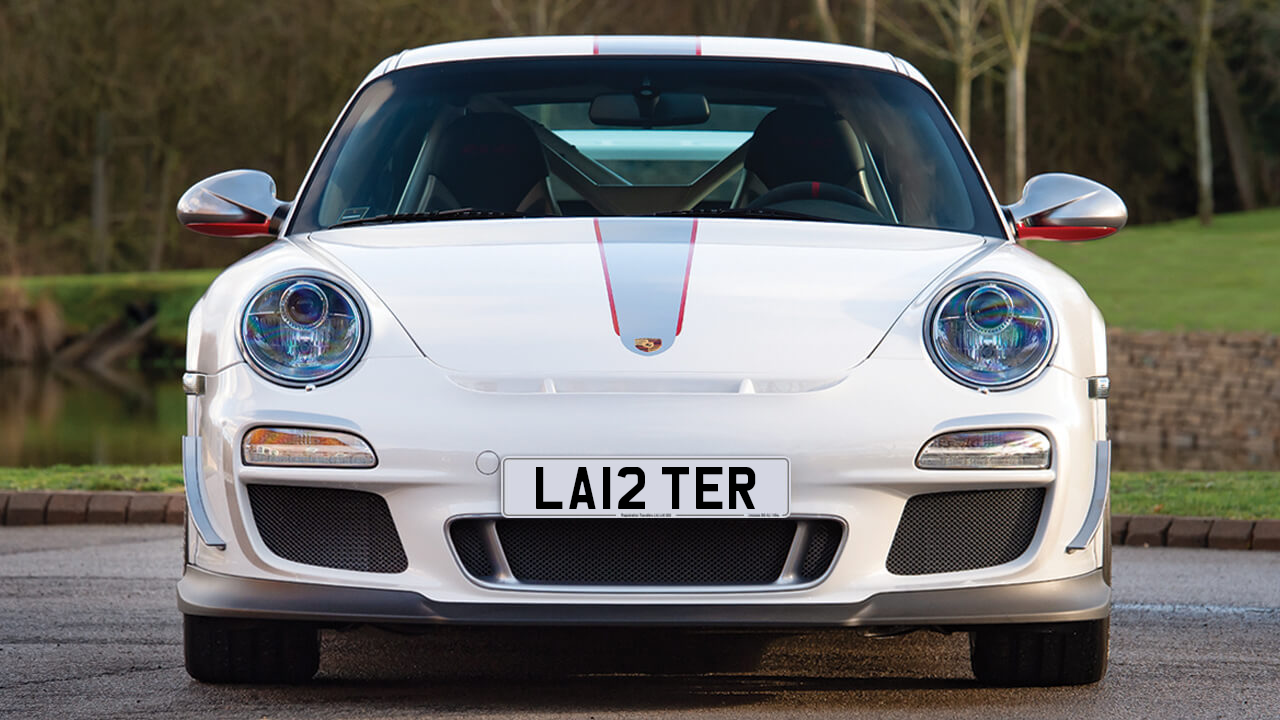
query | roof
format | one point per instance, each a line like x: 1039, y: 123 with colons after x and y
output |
x: 658, y: 45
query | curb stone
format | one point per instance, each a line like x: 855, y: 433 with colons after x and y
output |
x: 1231, y: 534
x: 1148, y: 530
x: 26, y: 508
x: 1189, y: 532
x: 67, y: 508
x: 1266, y: 535
x: 146, y: 508
x: 109, y: 508
x: 118, y: 508
x: 1119, y: 528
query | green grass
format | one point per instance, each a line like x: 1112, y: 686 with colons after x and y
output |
x: 1182, y: 276
x: 153, y: 478
x: 88, y: 301
x: 1240, y: 495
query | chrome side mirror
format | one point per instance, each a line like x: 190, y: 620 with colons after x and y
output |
x: 1058, y: 206
x: 236, y: 203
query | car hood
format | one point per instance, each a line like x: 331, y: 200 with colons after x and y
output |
x: 561, y: 299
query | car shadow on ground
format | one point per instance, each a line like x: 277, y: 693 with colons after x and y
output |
x: 534, y: 670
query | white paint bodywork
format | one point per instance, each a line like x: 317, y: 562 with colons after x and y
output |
x: 801, y: 340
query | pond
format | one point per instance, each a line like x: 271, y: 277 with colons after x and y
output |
x: 73, y: 417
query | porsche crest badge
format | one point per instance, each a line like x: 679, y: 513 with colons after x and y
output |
x: 648, y: 345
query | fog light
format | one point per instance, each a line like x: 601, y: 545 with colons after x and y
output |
x: 300, y: 446
x: 981, y: 449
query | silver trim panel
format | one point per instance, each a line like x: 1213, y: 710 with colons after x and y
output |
x: 1084, y: 597
x: 193, y: 383
x: 193, y: 479
x: 1101, y: 484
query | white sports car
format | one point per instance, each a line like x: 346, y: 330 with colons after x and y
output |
x: 647, y: 331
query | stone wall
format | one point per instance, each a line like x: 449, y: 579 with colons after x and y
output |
x: 1199, y: 400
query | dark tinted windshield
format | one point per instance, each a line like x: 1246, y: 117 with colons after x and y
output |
x: 645, y: 136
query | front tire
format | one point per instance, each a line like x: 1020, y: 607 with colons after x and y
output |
x: 226, y: 650
x: 1040, y: 655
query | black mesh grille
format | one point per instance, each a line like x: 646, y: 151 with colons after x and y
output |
x: 824, y: 540
x: 344, y: 529
x: 631, y: 552
x: 469, y: 544
x: 952, y: 531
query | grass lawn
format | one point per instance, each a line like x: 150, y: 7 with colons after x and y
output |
x: 1181, y: 276
x: 1241, y: 495
x: 88, y: 301
x: 93, y: 477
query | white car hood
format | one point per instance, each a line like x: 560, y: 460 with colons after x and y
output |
x: 578, y: 298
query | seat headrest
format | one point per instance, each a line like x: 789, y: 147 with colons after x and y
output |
x: 796, y: 143
x: 488, y: 160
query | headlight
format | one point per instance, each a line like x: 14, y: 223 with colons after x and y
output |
x: 301, y: 446
x: 302, y: 330
x: 990, y: 333
x: 986, y: 449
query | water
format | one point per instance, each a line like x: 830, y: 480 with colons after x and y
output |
x: 72, y: 417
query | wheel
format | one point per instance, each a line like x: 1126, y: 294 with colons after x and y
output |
x: 1040, y: 655
x: 225, y: 650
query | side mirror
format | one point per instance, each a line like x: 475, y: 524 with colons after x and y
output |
x: 1058, y: 206
x: 236, y: 203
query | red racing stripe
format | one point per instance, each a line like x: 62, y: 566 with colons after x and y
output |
x: 608, y: 286
x: 688, y: 268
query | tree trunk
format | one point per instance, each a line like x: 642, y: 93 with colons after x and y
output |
x: 1227, y: 99
x: 99, y: 202
x: 868, y: 23
x: 826, y: 23
x: 1200, y: 104
x: 1015, y: 136
x: 964, y: 96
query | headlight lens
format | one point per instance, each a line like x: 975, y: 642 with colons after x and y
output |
x: 986, y: 449
x: 990, y: 333
x: 302, y: 330
x: 302, y: 446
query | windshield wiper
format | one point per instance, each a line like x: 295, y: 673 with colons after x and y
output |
x: 454, y: 214
x: 765, y: 213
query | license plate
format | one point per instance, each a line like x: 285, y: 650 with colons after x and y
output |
x: 646, y: 487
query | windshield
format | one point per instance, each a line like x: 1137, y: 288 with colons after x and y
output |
x: 646, y: 136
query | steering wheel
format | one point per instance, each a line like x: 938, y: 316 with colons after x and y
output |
x: 806, y: 190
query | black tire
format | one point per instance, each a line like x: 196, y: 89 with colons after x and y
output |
x: 1040, y: 655
x: 225, y: 650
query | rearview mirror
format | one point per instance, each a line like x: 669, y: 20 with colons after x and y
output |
x: 1058, y: 206
x: 640, y: 110
x: 236, y: 203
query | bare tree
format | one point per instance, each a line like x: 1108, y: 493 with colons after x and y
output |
x: 868, y: 23
x: 959, y: 24
x: 548, y: 17
x: 1201, y: 45
x: 827, y: 27
x: 1016, y: 19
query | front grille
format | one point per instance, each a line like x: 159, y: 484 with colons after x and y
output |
x: 646, y: 552
x: 343, y: 529
x: 953, y: 531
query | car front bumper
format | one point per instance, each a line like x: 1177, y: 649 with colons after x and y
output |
x: 851, y: 449
x: 1084, y: 597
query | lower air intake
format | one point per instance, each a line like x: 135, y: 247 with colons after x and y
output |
x: 647, y: 552
x: 953, y: 531
x: 326, y: 527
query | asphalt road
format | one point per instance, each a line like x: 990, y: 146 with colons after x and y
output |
x: 88, y: 628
